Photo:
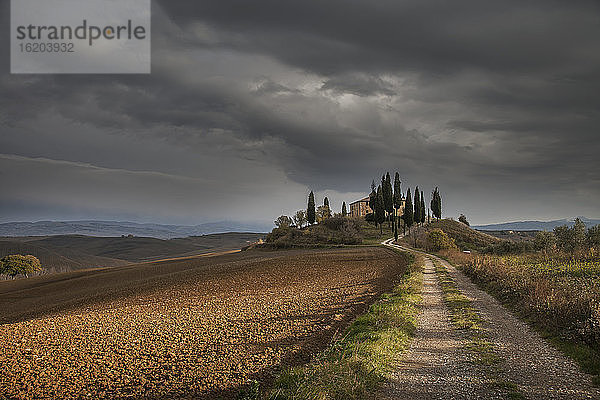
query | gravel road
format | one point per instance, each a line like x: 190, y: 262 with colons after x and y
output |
x: 435, y: 367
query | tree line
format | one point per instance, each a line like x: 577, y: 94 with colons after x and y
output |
x: 574, y: 239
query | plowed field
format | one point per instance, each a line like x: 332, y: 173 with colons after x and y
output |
x: 194, y: 328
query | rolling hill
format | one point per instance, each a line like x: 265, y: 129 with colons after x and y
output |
x: 71, y: 252
x: 465, y: 237
x: 118, y: 228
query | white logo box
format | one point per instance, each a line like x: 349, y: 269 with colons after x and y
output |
x: 80, y: 36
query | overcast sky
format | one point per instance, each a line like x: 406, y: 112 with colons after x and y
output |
x: 252, y: 104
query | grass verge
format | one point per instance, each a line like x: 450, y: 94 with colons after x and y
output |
x: 353, y: 366
x: 465, y: 317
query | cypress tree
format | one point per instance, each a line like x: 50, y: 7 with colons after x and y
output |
x: 408, y: 216
x: 436, y: 204
x: 422, y: 208
x: 397, y: 191
x: 373, y: 196
x: 388, y: 196
x: 397, y: 197
x: 380, y: 209
x: 327, y: 209
x: 417, y: 206
x: 432, y: 204
x: 310, y: 210
x: 344, y: 210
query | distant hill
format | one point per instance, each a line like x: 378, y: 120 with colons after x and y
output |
x: 117, y: 228
x: 55, y: 259
x: 534, y: 225
x: 71, y: 252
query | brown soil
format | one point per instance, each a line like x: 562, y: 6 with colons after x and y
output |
x: 194, y: 328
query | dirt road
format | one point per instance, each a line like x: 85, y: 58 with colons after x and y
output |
x: 437, y: 365
x: 181, y: 329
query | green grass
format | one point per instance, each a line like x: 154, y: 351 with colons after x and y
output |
x: 353, y: 366
x: 372, y: 235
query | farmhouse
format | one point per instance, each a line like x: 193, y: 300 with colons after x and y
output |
x: 360, y: 208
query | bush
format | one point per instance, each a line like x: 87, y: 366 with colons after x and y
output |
x: 544, y: 241
x: 571, y: 240
x: 283, y: 221
x: 438, y: 240
x: 277, y: 233
x: 593, y: 237
x: 18, y: 264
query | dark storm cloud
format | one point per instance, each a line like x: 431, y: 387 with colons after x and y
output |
x: 468, y: 95
x: 437, y: 35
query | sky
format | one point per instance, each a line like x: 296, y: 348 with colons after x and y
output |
x: 251, y: 105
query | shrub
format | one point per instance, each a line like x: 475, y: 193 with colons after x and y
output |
x: 277, y: 233
x: 438, y: 240
x: 283, y: 221
x: 572, y: 239
x: 544, y: 241
x: 593, y: 236
x: 18, y: 264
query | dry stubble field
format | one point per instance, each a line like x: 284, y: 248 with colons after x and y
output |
x: 181, y: 329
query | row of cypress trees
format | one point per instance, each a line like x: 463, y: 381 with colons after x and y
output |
x: 386, y: 199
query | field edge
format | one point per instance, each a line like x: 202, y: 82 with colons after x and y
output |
x: 356, y: 363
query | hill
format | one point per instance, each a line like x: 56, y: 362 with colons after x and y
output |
x: 71, y: 252
x: 464, y: 236
x: 118, y: 228
x: 57, y: 260
x: 534, y: 225
x: 330, y: 232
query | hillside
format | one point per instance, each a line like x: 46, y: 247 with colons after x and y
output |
x: 465, y: 237
x: 71, y: 252
x: 118, y: 228
x: 55, y: 259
